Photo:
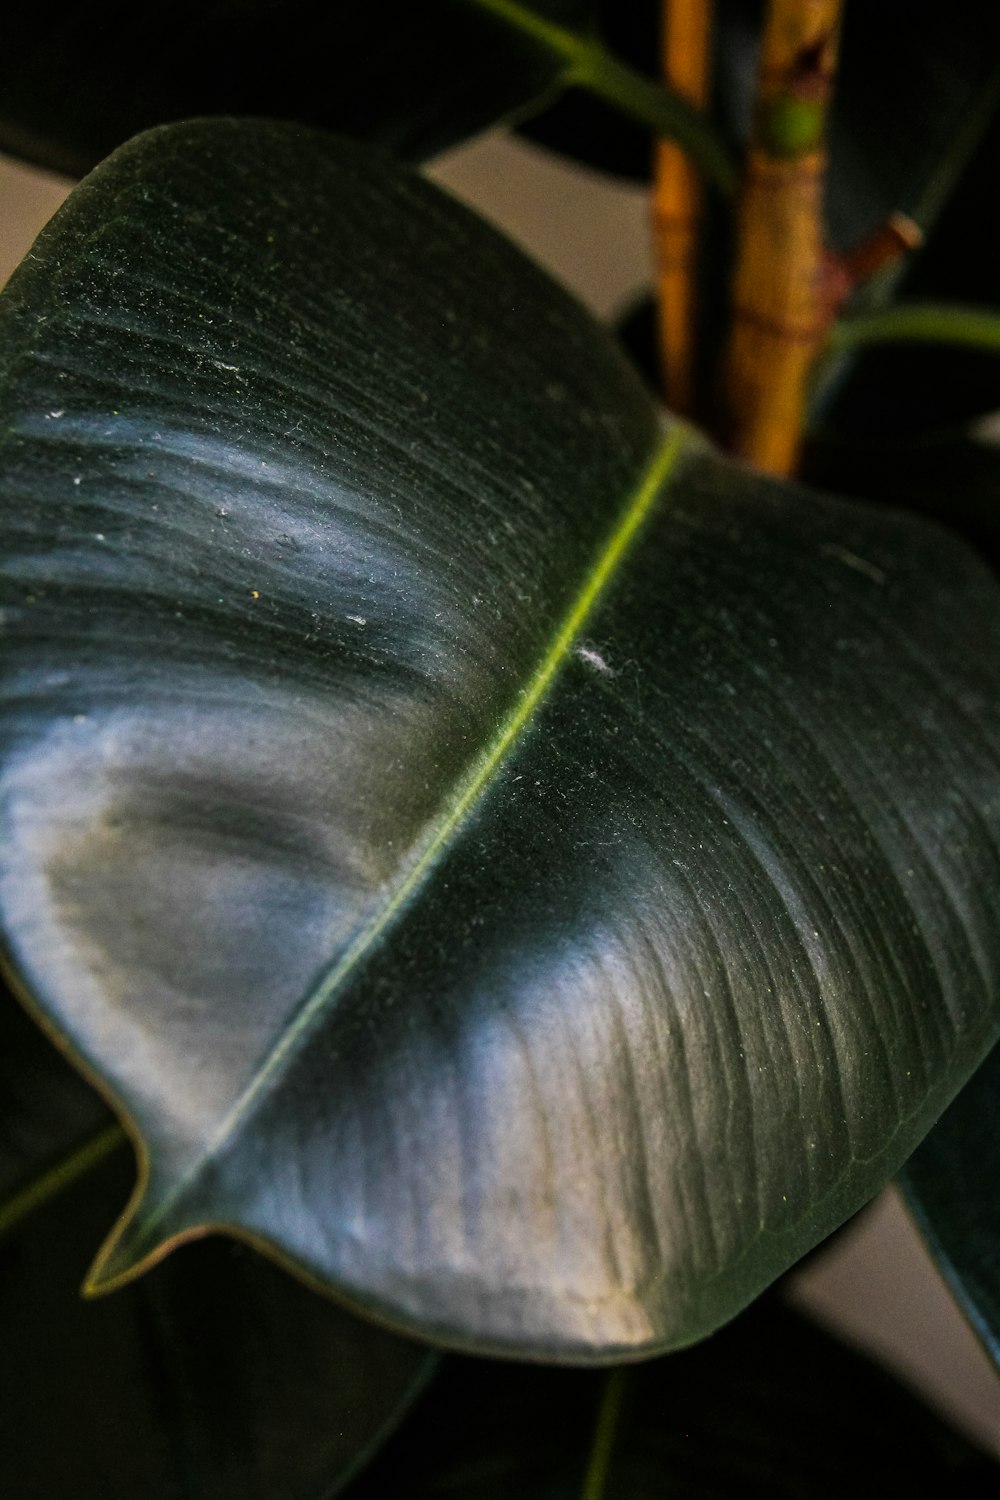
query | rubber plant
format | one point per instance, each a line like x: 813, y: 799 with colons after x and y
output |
x: 521, y: 858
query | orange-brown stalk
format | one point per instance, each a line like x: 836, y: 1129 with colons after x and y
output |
x: 685, y: 55
x: 783, y: 299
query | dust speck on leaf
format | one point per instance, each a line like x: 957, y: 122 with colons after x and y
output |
x: 852, y: 560
x: 594, y: 659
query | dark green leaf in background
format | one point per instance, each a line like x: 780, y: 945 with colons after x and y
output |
x: 908, y: 394
x: 217, y: 1377
x: 952, y: 1185
x: 214, y: 1378
x: 768, y: 1409
x: 534, y: 876
x: 900, y: 423
x: 77, y: 79
x: 951, y: 476
x: 914, y: 77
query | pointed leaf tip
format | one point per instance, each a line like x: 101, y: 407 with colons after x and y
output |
x: 135, y: 1245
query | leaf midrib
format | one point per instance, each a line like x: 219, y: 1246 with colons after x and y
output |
x: 460, y: 806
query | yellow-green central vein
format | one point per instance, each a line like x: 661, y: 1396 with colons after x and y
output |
x: 465, y: 798
x: 484, y: 767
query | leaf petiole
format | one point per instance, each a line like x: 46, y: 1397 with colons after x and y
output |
x: 605, y: 1434
x: 70, y: 1169
x: 589, y: 65
x: 918, y: 322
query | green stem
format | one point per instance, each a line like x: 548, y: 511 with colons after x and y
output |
x: 666, y: 113
x: 605, y: 1433
x: 589, y: 65
x: 918, y: 322
x: 72, y: 1167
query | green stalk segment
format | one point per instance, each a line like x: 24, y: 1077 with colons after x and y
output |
x: 919, y: 323
x: 589, y: 65
x: 605, y: 1434
x: 72, y: 1167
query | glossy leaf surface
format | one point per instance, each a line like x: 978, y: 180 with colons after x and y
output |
x: 531, y: 874
x: 216, y: 1376
x: 952, y: 1185
x: 768, y: 1409
x: 77, y: 80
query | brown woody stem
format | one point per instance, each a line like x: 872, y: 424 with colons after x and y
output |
x: 686, y: 37
x: 782, y: 295
x: 897, y: 238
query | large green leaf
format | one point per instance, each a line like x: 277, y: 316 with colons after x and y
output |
x: 952, y: 1184
x: 531, y: 874
x: 76, y: 80
x: 216, y: 1376
x: 769, y: 1409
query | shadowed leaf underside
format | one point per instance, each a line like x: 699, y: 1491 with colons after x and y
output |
x: 217, y: 1375
x: 76, y: 81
